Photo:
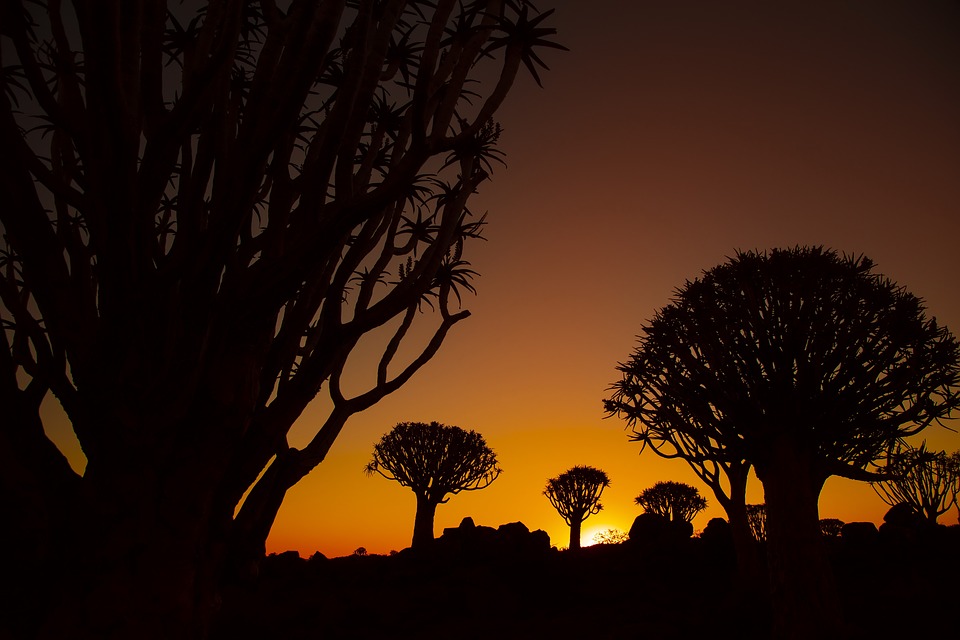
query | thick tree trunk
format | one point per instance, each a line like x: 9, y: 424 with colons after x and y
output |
x: 575, y: 525
x: 139, y: 567
x: 803, y: 593
x: 423, y: 523
x: 749, y: 558
x: 37, y: 488
x: 148, y: 533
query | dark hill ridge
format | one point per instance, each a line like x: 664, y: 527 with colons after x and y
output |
x: 480, y: 582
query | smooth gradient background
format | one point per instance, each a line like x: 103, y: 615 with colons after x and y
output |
x: 672, y: 134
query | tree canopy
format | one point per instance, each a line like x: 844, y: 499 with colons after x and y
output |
x: 575, y: 494
x: 800, y: 342
x: 675, y: 501
x: 803, y: 363
x: 208, y: 209
x: 434, y: 460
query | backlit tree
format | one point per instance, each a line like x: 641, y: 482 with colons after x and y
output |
x: 673, y: 500
x: 575, y: 494
x: 757, y: 517
x: 207, y: 209
x: 804, y: 364
x: 927, y: 480
x: 831, y: 527
x: 434, y: 460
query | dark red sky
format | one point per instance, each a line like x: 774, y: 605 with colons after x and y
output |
x: 673, y: 133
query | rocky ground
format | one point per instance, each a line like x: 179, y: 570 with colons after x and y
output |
x: 477, y: 582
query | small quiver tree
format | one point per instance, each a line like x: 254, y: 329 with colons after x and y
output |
x: 434, y: 460
x: 575, y: 494
x: 675, y: 501
x: 831, y: 527
x: 757, y: 519
x: 929, y: 481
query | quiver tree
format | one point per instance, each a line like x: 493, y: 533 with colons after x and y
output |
x: 575, y: 494
x: 207, y: 206
x: 675, y: 501
x: 831, y: 527
x: 435, y: 461
x: 929, y: 481
x: 803, y: 364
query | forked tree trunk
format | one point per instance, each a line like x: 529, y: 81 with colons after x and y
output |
x: 423, y: 523
x: 749, y: 565
x: 803, y: 593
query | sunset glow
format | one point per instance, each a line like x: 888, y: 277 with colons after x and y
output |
x: 671, y: 135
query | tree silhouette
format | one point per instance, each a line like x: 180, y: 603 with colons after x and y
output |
x: 434, y: 460
x: 208, y: 208
x: 611, y: 536
x: 673, y: 500
x: 804, y: 364
x: 927, y: 480
x: 831, y: 527
x: 575, y: 494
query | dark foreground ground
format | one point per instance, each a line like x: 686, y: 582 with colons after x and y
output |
x: 891, y: 587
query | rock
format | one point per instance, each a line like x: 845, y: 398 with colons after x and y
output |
x: 859, y: 534
x: 650, y: 528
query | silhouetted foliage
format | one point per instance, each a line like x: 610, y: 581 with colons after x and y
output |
x: 208, y: 208
x: 757, y: 517
x: 673, y: 500
x: 804, y: 364
x: 927, y: 480
x: 434, y: 460
x: 831, y: 527
x: 611, y: 536
x: 575, y: 494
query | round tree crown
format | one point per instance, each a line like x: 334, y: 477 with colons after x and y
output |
x: 434, y: 459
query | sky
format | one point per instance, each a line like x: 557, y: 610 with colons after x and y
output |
x: 672, y: 134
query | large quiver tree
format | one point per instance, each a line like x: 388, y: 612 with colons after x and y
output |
x: 203, y: 215
x: 435, y: 461
x: 805, y: 364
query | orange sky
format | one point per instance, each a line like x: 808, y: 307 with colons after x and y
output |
x: 672, y: 134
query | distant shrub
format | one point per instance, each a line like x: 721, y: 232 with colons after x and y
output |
x: 611, y: 536
x: 831, y: 527
x: 757, y: 519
